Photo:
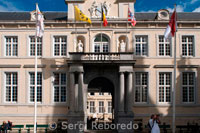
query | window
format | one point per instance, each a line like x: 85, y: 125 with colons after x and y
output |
x: 92, y: 93
x: 164, y: 46
x: 32, y: 86
x: 164, y: 87
x: 11, y: 87
x: 188, y: 45
x: 101, y: 107
x: 109, y: 107
x: 92, y: 107
x: 188, y: 86
x: 60, y: 84
x: 101, y: 44
x: 141, y: 45
x: 60, y: 45
x: 11, y: 46
x: 101, y: 93
x: 32, y: 46
x: 141, y: 86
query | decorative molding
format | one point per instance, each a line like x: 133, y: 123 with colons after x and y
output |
x: 141, y: 66
x: 74, y: 32
x: 164, y: 66
x: 33, y: 66
x: 59, y: 66
x: 188, y: 66
x: 122, y: 32
x: 10, y: 66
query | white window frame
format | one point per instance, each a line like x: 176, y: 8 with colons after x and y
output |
x: 181, y: 45
x: 5, y: 48
x: 171, y: 85
x: 11, y: 72
x: 164, y: 43
x: 101, y: 44
x: 53, y: 92
x: 140, y: 86
x: 29, y: 46
x: 29, y: 100
x: 92, y: 107
x: 147, y: 47
x: 195, y: 85
x: 109, y: 107
x: 53, y: 43
x: 101, y: 107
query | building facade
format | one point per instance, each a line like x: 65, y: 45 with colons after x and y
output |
x: 133, y: 64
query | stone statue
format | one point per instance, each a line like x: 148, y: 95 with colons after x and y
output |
x: 122, y: 46
x: 80, y: 46
x: 93, y: 9
x: 106, y: 7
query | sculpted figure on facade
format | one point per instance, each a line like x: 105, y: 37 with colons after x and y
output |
x: 122, y: 46
x: 106, y: 6
x: 80, y: 46
x: 93, y: 9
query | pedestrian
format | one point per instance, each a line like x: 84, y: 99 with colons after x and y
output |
x: 153, y: 123
x: 10, y: 125
x: 4, y: 127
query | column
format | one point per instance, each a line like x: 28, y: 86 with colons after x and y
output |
x: 72, y: 94
x: 129, y: 91
x: 81, y: 92
x: 121, y: 93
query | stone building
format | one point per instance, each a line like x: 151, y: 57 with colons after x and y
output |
x: 139, y: 80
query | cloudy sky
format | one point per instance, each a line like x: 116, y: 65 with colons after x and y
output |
x: 140, y: 6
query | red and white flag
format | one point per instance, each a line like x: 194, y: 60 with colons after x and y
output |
x: 171, y: 28
x: 39, y: 22
x: 131, y: 17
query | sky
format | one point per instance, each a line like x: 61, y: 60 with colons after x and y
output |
x: 140, y: 5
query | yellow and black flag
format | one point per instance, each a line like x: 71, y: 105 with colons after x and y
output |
x: 79, y: 16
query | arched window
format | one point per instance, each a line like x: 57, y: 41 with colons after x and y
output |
x: 101, y: 44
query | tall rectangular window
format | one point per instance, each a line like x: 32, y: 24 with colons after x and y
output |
x: 141, y: 86
x: 60, y: 83
x: 101, y: 107
x: 141, y: 45
x: 60, y: 45
x: 187, y: 45
x: 188, y: 86
x: 32, y: 46
x: 109, y: 107
x: 11, y: 87
x: 92, y: 107
x: 164, y: 46
x: 11, y: 45
x: 165, y: 87
x: 32, y: 86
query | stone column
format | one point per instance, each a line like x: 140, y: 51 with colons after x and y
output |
x: 72, y: 92
x: 121, y: 93
x: 129, y: 91
x: 81, y: 92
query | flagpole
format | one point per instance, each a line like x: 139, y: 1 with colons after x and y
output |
x: 127, y: 30
x: 174, y: 86
x: 76, y: 42
x: 35, y: 99
x: 101, y: 22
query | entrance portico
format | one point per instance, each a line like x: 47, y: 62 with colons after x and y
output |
x: 117, y: 68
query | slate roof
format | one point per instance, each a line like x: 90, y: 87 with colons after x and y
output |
x: 140, y: 16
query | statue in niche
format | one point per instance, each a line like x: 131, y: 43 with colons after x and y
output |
x: 122, y: 46
x: 80, y: 46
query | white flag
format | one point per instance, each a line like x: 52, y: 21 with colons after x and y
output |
x: 39, y: 22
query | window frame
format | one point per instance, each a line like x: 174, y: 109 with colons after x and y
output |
x: 101, y: 107
x: 5, y: 47
x: 158, y: 47
x: 60, y: 51
x: 147, y: 47
x: 29, y: 46
x: 181, y: 46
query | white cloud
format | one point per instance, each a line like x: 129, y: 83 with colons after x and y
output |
x: 8, y: 6
x: 193, y: 1
x: 179, y: 8
x: 196, y: 10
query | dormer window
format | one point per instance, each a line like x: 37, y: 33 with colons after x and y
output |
x: 163, y: 14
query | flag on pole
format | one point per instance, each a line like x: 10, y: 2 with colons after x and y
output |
x: 171, y: 28
x: 39, y: 23
x: 79, y: 16
x: 105, y: 22
x: 131, y: 17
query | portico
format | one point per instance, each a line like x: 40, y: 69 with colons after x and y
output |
x: 116, y: 67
